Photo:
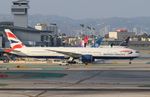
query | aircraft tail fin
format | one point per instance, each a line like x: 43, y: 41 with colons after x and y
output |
x: 125, y: 42
x: 15, y: 43
x: 98, y: 42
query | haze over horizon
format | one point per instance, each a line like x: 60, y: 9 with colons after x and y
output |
x: 82, y: 9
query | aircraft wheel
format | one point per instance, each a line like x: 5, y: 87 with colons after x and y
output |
x: 5, y: 61
x: 86, y: 64
x: 67, y: 64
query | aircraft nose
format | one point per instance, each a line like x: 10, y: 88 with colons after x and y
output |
x: 137, y: 53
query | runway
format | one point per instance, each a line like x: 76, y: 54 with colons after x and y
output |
x: 79, y: 83
x: 94, y: 80
x: 74, y: 93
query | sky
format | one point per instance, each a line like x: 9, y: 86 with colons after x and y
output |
x: 81, y: 9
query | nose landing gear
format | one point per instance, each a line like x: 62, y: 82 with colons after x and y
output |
x: 130, y: 61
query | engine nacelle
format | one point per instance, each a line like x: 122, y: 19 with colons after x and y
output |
x: 87, y: 58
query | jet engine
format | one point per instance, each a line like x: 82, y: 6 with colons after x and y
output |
x: 87, y: 58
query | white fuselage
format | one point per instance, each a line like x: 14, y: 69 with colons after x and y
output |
x: 95, y: 52
x: 18, y: 48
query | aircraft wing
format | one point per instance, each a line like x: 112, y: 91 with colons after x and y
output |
x: 70, y: 54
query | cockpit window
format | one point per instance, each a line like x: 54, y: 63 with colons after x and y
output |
x: 137, y: 52
x: 130, y: 52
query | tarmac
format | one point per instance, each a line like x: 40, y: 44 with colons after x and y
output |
x: 74, y: 94
x: 111, y: 79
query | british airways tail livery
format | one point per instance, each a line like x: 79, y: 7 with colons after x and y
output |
x: 86, y: 55
x: 14, y: 41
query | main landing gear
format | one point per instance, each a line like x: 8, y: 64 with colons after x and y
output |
x: 86, y: 63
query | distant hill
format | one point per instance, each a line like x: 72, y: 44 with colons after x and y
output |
x: 72, y: 26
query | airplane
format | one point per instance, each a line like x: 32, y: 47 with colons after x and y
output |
x: 86, y: 55
x: 98, y: 42
x: 125, y: 42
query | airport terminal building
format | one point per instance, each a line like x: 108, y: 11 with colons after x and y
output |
x: 28, y: 35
